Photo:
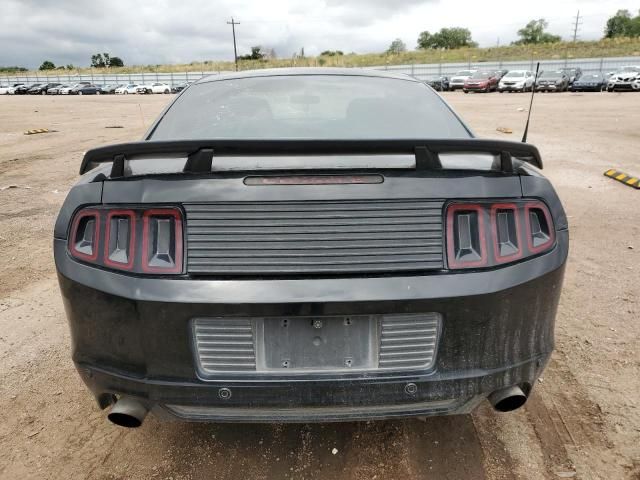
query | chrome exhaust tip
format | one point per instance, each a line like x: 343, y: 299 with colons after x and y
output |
x: 128, y: 412
x: 508, y: 399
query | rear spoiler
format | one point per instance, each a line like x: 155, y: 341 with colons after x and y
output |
x: 201, y: 153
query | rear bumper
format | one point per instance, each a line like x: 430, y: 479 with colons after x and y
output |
x: 510, y: 88
x: 476, y: 88
x: 131, y: 336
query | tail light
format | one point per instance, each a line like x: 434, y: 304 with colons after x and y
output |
x: 488, y: 234
x: 137, y: 240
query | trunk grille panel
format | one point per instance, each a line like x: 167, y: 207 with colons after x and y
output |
x: 246, y: 238
x: 225, y: 345
x: 408, y: 342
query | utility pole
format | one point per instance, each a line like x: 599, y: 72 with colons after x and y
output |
x: 235, y: 50
x: 576, y: 26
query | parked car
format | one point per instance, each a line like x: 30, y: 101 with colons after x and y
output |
x: 110, y: 89
x: 624, y: 78
x: 573, y: 73
x: 178, y: 88
x: 517, y: 81
x: 552, y: 81
x: 501, y: 73
x: 56, y: 89
x: 439, y: 83
x: 68, y: 89
x: 272, y: 295
x: 42, y: 89
x: 589, y: 82
x: 481, y: 82
x: 457, y: 81
x: 7, y: 90
x: 126, y: 89
x: 86, y: 90
x: 24, y: 89
x: 143, y: 89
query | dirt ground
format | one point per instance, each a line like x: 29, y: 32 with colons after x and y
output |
x: 583, y: 421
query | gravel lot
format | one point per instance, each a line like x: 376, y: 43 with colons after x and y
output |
x: 583, y: 420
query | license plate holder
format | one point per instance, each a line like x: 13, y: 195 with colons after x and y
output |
x: 307, y: 344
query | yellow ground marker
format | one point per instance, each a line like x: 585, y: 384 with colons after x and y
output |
x: 623, y: 178
x: 37, y: 130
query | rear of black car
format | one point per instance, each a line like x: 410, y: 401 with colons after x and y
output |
x: 289, y: 279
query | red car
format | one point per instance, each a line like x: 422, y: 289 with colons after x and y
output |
x: 481, y: 82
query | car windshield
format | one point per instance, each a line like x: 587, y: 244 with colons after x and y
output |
x: 465, y: 73
x: 514, y: 75
x: 481, y: 75
x: 551, y: 74
x: 309, y: 107
x: 591, y: 76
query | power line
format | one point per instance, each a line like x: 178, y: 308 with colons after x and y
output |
x: 235, y: 50
x: 576, y: 26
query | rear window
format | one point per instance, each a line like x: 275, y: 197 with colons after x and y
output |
x: 309, y: 107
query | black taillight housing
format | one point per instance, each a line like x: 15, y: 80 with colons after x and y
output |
x: 132, y: 239
x: 489, y: 234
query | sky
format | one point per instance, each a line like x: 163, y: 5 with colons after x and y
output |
x: 175, y: 31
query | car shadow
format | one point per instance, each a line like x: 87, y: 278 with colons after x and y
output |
x: 438, y: 447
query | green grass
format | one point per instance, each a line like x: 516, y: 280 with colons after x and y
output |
x: 617, y: 47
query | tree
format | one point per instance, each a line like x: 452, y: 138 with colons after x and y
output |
x: 332, y: 53
x: 534, y: 33
x: 70, y: 67
x: 105, y: 60
x: 622, y: 24
x: 256, y: 54
x: 446, y: 38
x: 47, y: 65
x: 116, y: 62
x: 397, y: 46
x: 97, y: 61
x: 426, y: 40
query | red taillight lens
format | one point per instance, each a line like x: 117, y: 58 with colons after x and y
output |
x: 540, y: 231
x: 465, y: 230
x: 85, y: 235
x: 120, y: 239
x: 162, y: 241
x: 138, y: 240
x: 503, y: 226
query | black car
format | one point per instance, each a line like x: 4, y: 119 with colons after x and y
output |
x: 591, y: 82
x: 439, y: 83
x: 109, y: 89
x: 178, y: 88
x: 24, y: 89
x: 573, y: 74
x: 296, y: 245
x: 42, y: 89
x: 552, y: 81
x: 84, y: 89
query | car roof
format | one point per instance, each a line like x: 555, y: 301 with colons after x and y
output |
x: 273, y: 72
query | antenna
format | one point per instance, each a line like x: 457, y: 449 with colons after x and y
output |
x: 533, y: 90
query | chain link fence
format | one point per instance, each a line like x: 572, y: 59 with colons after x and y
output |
x: 420, y: 71
x: 588, y: 65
